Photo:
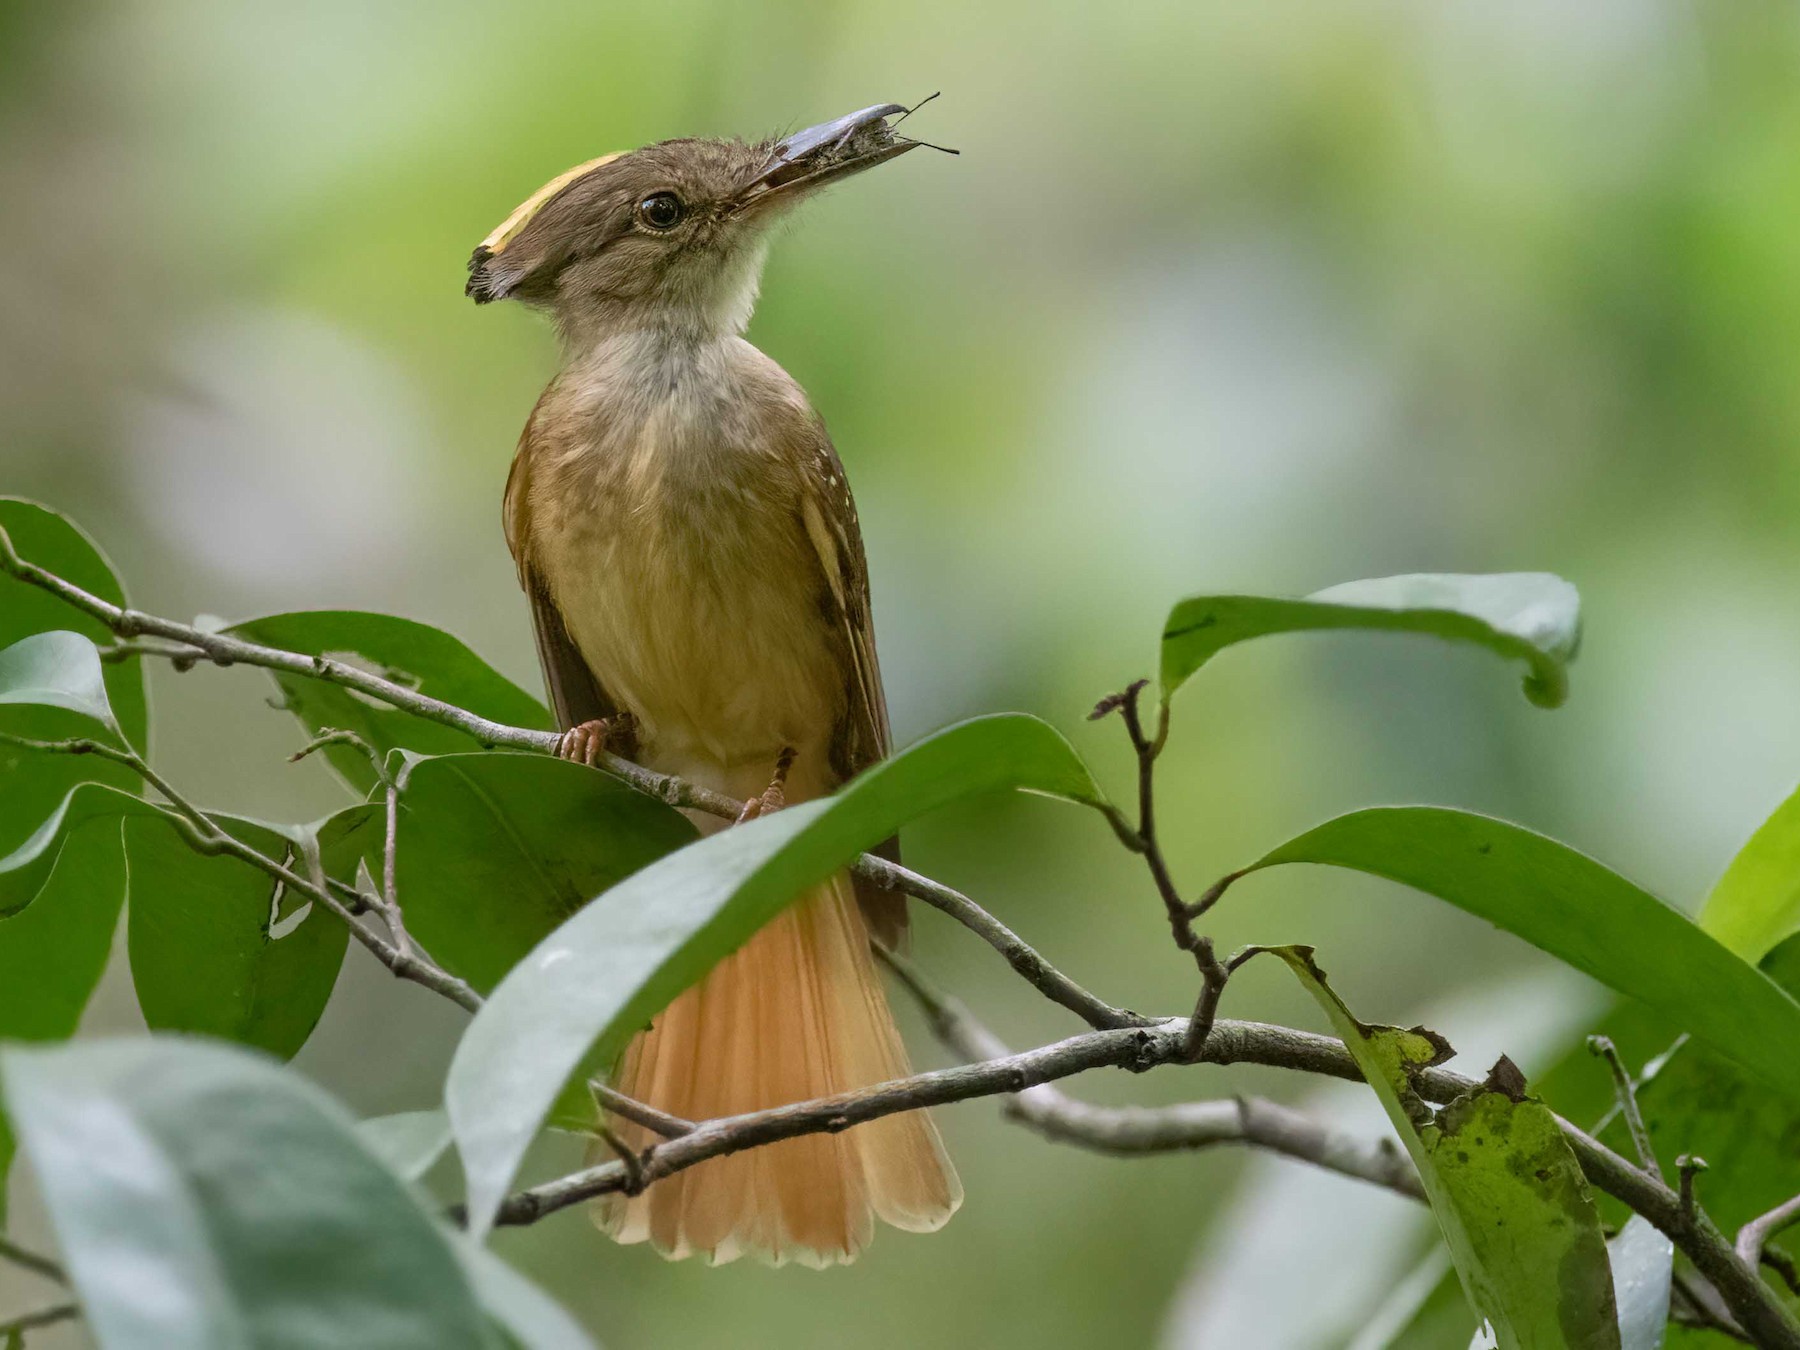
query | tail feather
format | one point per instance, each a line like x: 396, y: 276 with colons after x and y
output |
x: 796, y: 1013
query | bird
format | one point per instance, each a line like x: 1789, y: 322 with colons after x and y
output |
x: 686, y: 536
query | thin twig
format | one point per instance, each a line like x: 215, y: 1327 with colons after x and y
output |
x: 1687, y: 1167
x: 390, y: 891
x: 1145, y: 841
x: 224, y: 649
x: 329, y: 736
x: 1753, y: 1241
x: 1019, y: 954
x: 1751, y: 1302
x: 1254, y: 1121
x: 634, y: 1165
x: 207, y: 836
x: 42, y: 1317
x: 27, y: 1259
x: 1628, y: 1105
x: 182, y: 658
x: 1698, y: 1305
x: 640, y: 1113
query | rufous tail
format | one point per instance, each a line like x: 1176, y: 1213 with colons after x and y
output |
x: 798, y: 1012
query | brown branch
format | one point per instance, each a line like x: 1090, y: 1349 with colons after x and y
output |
x: 223, y: 649
x: 1145, y: 841
x: 1751, y: 1302
x: 1125, y: 1041
x: 207, y: 836
x: 1254, y: 1121
x: 1019, y: 954
x: 1753, y: 1240
x: 1695, y: 1303
x: 640, y: 1113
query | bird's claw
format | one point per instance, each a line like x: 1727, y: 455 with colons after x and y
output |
x: 585, y: 744
x: 774, y: 796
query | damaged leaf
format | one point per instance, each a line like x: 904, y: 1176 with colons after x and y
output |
x: 1504, y: 1186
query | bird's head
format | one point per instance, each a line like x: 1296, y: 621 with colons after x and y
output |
x: 673, y: 234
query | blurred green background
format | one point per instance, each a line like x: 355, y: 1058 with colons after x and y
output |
x: 1257, y: 297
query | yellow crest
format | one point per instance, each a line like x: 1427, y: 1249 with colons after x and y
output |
x: 504, y: 233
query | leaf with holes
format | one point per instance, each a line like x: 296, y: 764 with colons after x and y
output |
x: 1504, y: 1185
x: 1579, y: 911
x: 219, y: 947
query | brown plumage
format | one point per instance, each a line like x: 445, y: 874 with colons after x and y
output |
x: 686, y: 535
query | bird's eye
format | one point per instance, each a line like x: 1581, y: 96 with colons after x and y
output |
x: 662, y: 211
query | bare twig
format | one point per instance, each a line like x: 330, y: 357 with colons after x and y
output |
x: 208, y: 837
x: 42, y: 1317
x: 1144, y: 841
x: 1628, y: 1105
x: 1123, y: 1040
x: 224, y: 649
x: 336, y: 736
x: 1753, y: 1240
x: 182, y: 657
x: 1687, y: 1167
x: 1697, y: 1304
x: 640, y: 1113
x: 1751, y: 1302
x: 1019, y: 954
x: 633, y: 1164
x: 1254, y: 1121
x: 27, y: 1259
x: 390, y: 891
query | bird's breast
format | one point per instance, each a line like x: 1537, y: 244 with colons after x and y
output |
x: 680, y: 565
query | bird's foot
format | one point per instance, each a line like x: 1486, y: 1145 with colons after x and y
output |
x: 774, y: 796
x: 604, y: 735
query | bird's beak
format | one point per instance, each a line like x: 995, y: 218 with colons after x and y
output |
x: 823, y: 154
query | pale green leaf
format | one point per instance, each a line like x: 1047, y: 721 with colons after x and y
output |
x: 1531, y: 617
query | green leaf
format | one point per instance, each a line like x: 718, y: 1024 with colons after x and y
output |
x: 24, y: 871
x: 31, y: 784
x: 53, y: 950
x: 1642, y: 1262
x: 532, y: 1319
x: 56, y: 670
x: 214, y: 949
x: 207, y: 1200
x: 1696, y: 1101
x: 580, y: 995
x: 409, y: 1142
x: 1531, y: 617
x: 1576, y: 909
x: 414, y: 654
x: 495, y: 850
x: 1503, y: 1183
x: 1756, y: 903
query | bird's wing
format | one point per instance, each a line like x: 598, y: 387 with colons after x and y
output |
x: 861, y: 737
x: 575, y: 695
